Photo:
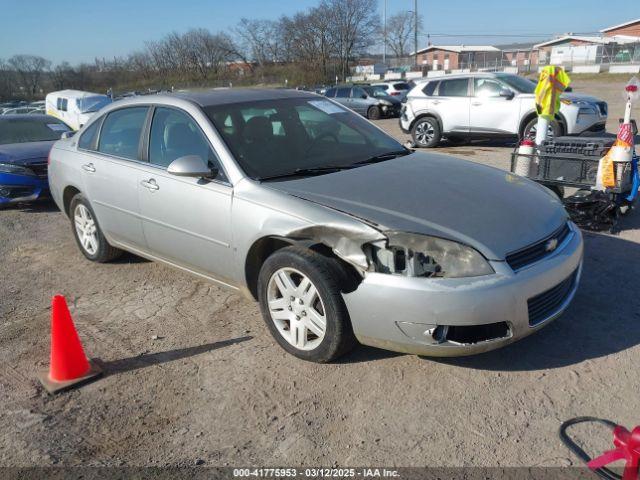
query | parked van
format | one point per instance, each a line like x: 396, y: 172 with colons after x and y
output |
x: 75, y: 107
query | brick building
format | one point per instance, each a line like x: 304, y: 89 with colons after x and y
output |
x: 452, y: 57
x: 630, y: 29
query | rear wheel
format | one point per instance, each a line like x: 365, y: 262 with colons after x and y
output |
x: 87, y: 233
x: 374, y: 113
x: 300, y: 298
x: 426, y: 132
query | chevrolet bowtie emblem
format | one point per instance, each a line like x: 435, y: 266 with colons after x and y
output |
x: 551, y: 245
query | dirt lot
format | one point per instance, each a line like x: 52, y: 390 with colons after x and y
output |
x: 193, y: 376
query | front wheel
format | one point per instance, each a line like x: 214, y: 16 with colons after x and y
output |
x: 553, y: 130
x: 374, y: 113
x: 87, y: 233
x: 426, y: 132
x: 300, y: 299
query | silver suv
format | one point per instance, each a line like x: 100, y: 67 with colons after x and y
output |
x: 337, y: 230
x: 370, y: 101
x: 482, y: 105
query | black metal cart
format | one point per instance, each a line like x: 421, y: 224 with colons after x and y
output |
x: 572, y: 162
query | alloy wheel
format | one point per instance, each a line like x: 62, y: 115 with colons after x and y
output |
x: 296, y: 308
x: 424, y: 132
x: 534, y: 129
x: 86, y: 229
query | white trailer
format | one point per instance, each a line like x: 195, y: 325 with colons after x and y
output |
x: 74, y: 107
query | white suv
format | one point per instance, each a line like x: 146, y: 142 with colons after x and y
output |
x: 481, y: 105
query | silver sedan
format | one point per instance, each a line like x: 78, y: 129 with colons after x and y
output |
x: 339, y: 232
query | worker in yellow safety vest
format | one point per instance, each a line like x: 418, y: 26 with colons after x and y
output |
x: 553, y: 81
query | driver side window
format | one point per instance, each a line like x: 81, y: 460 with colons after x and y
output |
x: 358, y: 92
x: 174, y: 134
x: 486, y: 88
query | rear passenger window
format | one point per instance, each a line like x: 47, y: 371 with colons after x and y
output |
x: 454, y: 88
x: 121, y: 131
x: 430, y: 88
x: 88, y: 138
x: 344, y: 92
x: 330, y: 93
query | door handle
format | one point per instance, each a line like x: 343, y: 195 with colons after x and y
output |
x: 150, y: 184
x: 89, y: 168
x: 476, y: 104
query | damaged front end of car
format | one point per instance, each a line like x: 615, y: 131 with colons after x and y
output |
x: 397, y: 264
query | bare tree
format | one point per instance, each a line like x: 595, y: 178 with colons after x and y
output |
x: 307, y: 39
x: 6, y: 80
x: 206, y: 52
x: 30, y: 70
x: 355, y: 26
x: 400, y: 31
x: 260, y: 40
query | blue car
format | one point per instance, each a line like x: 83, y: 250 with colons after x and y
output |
x: 25, y: 142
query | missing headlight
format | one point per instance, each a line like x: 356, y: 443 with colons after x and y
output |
x: 404, y: 261
x: 415, y: 255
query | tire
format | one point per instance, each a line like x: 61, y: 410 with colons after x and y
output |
x: 82, y: 216
x: 374, y: 113
x: 426, y: 132
x: 282, y: 310
x: 555, y: 129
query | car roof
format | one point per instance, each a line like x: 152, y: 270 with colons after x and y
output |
x: 461, y: 75
x: 239, y: 95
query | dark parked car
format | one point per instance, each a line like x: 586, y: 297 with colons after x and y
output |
x: 372, y: 102
x: 25, y: 142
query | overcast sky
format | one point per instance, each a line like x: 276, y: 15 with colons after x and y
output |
x: 80, y: 31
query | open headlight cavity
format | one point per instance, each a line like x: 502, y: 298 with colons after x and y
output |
x: 415, y: 255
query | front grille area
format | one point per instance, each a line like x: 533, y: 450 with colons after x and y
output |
x: 531, y: 254
x: 545, y: 304
x: 40, y: 169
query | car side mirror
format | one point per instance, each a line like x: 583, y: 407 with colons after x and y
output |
x: 506, y: 93
x: 191, y: 166
x: 67, y: 134
x: 364, y: 96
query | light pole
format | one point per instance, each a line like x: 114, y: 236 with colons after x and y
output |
x: 415, y: 30
x: 384, y: 34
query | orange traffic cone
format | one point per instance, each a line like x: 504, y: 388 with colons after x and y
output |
x: 69, y: 365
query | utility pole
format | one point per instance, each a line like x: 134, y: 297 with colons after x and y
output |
x: 384, y: 34
x: 415, y: 30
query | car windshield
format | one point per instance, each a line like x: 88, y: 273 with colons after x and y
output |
x: 520, y: 84
x: 93, y: 104
x: 29, y: 129
x: 375, y: 91
x: 280, y: 137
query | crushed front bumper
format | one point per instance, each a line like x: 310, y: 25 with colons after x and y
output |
x: 404, y: 314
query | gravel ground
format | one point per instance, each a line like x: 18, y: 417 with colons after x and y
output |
x: 193, y: 377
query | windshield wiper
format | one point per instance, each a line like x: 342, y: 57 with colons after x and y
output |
x: 384, y: 156
x: 301, y: 172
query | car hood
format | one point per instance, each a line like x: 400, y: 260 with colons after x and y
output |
x: 25, y: 153
x: 492, y: 210
x: 391, y: 99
